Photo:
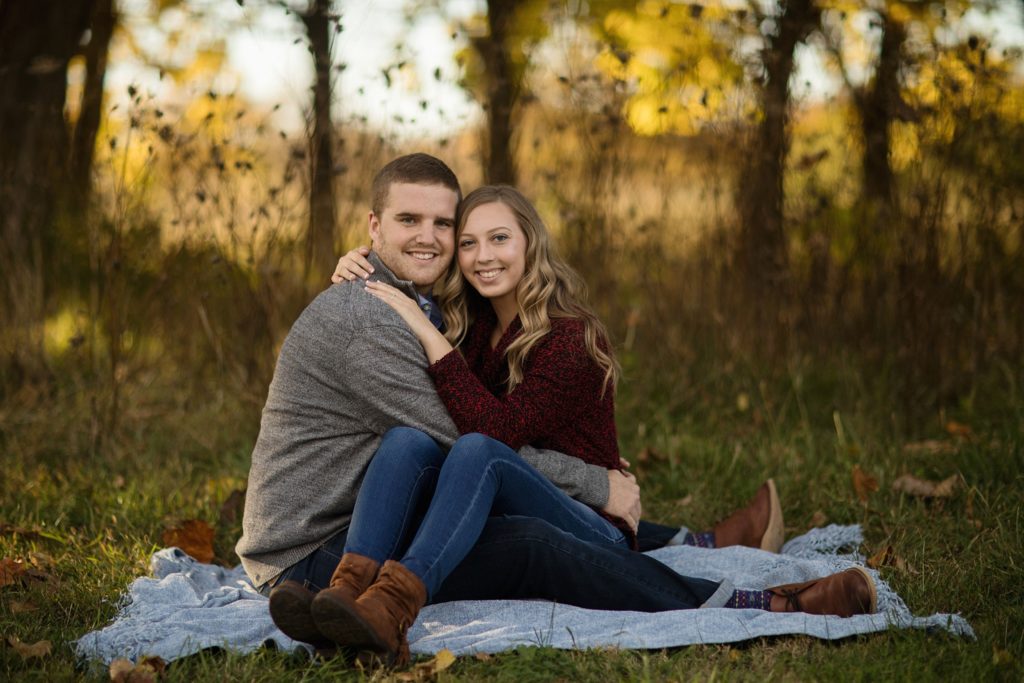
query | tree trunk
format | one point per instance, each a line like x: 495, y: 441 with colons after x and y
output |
x: 37, y: 40
x: 83, y: 144
x: 322, y: 220
x: 762, y: 250
x: 502, y: 90
x: 877, y: 112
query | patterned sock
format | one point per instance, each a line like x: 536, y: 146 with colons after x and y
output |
x: 704, y: 539
x: 750, y: 600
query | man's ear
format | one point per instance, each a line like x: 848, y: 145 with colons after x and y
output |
x: 374, y: 229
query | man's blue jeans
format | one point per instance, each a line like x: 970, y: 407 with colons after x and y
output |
x: 517, y: 556
x: 480, y: 477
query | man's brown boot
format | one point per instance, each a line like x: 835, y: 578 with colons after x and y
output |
x: 844, y: 595
x: 377, y: 622
x: 291, y: 602
x: 289, y: 608
x: 758, y: 525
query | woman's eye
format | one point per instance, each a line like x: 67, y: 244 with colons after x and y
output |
x: 500, y: 238
x: 465, y: 243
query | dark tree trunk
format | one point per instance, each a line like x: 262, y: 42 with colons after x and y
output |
x: 762, y: 248
x: 502, y: 91
x: 878, y: 108
x: 83, y: 144
x: 37, y: 39
x: 322, y: 220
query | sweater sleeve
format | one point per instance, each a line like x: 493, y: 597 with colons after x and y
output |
x: 557, y: 373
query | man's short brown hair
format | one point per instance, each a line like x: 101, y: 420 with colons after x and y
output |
x: 417, y: 169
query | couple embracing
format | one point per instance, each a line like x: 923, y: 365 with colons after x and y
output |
x: 443, y: 429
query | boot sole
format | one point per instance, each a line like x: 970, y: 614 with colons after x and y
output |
x: 338, y: 621
x: 873, y: 607
x: 775, y: 533
x: 290, y: 610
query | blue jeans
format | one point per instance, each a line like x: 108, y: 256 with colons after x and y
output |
x: 522, y: 557
x: 480, y: 477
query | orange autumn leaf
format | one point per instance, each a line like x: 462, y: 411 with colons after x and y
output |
x: 818, y: 519
x: 923, y: 488
x: 194, y: 536
x: 863, y: 483
x: 12, y: 571
x: 958, y: 429
x: 931, y: 447
x: 33, y: 651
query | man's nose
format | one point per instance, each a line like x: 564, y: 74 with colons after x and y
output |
x: 426, y: 234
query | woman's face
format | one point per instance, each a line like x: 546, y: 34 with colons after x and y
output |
x: 492, y: 251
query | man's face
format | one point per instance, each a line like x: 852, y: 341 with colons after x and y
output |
x: 415, y: 236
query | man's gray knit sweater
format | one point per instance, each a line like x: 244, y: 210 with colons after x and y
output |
x: 349, y: 370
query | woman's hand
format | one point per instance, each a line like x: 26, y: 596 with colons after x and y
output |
x: 353, y: 266
x: 434, y: 343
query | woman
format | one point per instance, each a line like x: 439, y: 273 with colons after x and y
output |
x: 535, y: 368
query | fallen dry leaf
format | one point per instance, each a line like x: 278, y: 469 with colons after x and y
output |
x: 931, y: 447
x: 482, y: 657
x: 818, y: 519
x: 685, y: 500
x: 148, y: 670
x: 12, y: 571
x: 33, y: 651
x: 427, y: 671
x: 924, y: 488
x: 887, y: 557
x: 863, y: 483
x: 194, y: 536
x: 21, y: 607
x: 959, y: 429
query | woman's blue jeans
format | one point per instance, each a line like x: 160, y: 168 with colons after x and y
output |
x: 479, y: 478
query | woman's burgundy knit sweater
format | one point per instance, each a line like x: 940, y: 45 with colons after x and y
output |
x: 558, y: 405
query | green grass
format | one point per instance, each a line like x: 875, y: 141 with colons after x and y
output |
x: 97, y: 513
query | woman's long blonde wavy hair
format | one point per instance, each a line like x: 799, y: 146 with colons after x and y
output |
x: 548, y: 289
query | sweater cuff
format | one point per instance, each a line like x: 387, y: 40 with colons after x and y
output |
x: 595, y: 487
x: 443, y: 366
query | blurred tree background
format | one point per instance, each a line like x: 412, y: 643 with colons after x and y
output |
x: 157, y: 247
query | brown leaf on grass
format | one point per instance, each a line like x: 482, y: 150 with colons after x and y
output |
x: 482, y: 657
x: 924, y: 488
x: 12, y: 571
x: 232, y: 507
x: 194, y: 536
x: 931, y: 447
x: 685, y: 500
x: 959, y: 429
x: 21, y: 606
x: 887, y: 557
x: 33, y: 651
x: 818, y: 519
x: 148, y: 670
x: 428, y: 671
x: 863, y: 484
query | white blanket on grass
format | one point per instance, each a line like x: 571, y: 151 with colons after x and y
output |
x: 189, y: 606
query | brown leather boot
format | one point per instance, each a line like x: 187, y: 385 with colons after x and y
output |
x: 758, y: 525
x: 289, y: 608
x: 353, y: 575
x: 379, y: 619
x: 844, y: 595
x: 291, y: 602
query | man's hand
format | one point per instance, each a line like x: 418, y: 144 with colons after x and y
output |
x: 623, y: 497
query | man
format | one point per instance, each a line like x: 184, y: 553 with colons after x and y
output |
x: 349, y: 370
